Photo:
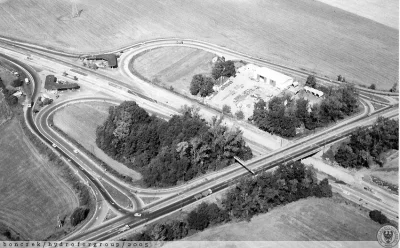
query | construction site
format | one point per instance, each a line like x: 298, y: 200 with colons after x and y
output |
x: 253, y: 83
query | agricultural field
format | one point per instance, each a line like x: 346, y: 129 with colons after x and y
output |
x: 79, y: 121
x: 376, y: 10
x: 32, y: 192
x: 173, y: 66
x: 305, y: 34
x: 310, y: 219
x: 5, y: 111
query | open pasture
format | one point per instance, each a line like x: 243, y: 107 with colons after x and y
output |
x: 298, y: 33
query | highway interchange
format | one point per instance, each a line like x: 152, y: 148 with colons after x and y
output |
x: 174, y: 198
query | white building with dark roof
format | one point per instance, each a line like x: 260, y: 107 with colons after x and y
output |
x: 268, y: 76
x: 313, y: 91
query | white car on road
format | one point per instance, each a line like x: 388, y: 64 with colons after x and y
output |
x: 137, y: 214
x: 54, y: 145
x: 76, y: 151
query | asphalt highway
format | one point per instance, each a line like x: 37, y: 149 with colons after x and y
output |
x: 104, y: 232
x: 220, y: 182
x: 185, y: 42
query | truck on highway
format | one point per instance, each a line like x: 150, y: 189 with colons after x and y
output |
x: 203, y: 194
x: 124, y: 228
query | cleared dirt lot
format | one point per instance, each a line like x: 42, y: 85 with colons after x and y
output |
x: 173, y: 66
x: 305, y: 220
x: 299, y: 33
x: 80, y: 121
x: 32, y: 193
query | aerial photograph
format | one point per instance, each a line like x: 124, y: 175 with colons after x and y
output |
x: 201, y: 123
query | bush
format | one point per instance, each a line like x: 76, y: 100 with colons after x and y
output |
x: 377, y: 216
x: 198, y: 219
x: 201, y: 84
x: 226, y: 109
x: 17, y: 83
x: 311, y: 81
x: 239, y: 115
x: 223, y: 68
x: 47, y: 101
x: 79, y: 215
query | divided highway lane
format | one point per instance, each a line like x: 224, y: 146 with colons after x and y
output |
x: 80, y: 160
x: 36, y: 82
x: 31, y: 124
x: 83, y: 69
x: 175, y: 202
x: 174, y: 41
x: 44, y: 114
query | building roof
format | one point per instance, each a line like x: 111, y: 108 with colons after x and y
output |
x: 50, y: 84
x: 274, y: 75
x: 314, y: 91
x: 265, y: 72
x: 111, y: 59
x: 18, y: 93
x: 294, y: 89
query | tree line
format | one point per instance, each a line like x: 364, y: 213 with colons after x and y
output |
x: 169, y: 152
x: 251, y: 196
x: 283, y: 115
x: 369, y: 145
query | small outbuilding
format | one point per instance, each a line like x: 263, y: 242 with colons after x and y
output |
x: 313, y: 91
x: 111, y: 59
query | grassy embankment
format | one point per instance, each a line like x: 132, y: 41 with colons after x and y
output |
x: 79, y: 122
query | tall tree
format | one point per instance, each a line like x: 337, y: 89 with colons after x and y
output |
x: 311, y: 81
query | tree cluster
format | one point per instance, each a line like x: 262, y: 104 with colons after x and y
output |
x: 17, y: 83
x: 283, y: 116
x: 250, y: 197
x: 223, y: 68
x: 369, y: 145
x: 205, y: 215
x: 277, y: 118
x: 8, y: 95
x: 341, y: 78
x: 168, y: 152
x: 311, y: 81
x: 79, y: 215
x: 377, y: 216
x: 394, y: 88
x: 201, y: 84
x: 287, y: 184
